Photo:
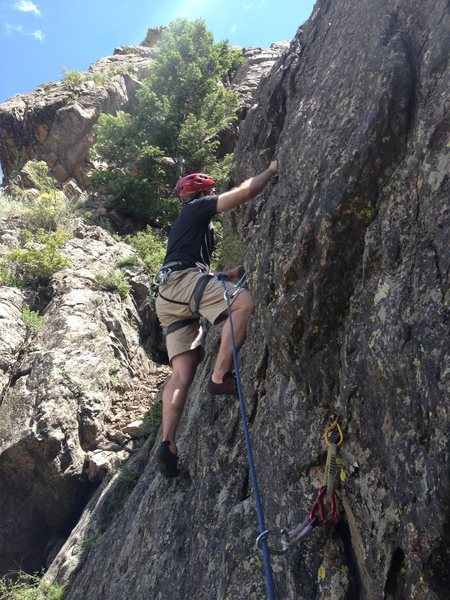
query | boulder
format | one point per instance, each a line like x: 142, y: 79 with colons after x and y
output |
x: 135, y: 429
x: 99, y: 462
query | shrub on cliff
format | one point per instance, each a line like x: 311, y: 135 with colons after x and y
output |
x: 150, y: 248
x: 113, y: 281
x: 10, y: 206
x: 42, y: 205
x: 40, y: 176
x: 50, y: 211
x: 103, y: 77
x: 36, y: 261
x: 72, y: 79
x: 28, y: 587
x: 182, y: 106
x: 33, y: 321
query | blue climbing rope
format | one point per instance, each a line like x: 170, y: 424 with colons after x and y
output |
x: 262, y: 528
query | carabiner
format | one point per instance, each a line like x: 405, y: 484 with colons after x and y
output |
x: 161, y: 276
x: 325, y: 520
x: 281, y: 533
x: 331, y: 430
x: 302, y: 530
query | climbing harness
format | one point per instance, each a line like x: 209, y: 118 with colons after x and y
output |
x: 319, y: 515
x: 264, y: 544
x: 162, y: 275
x: 161, y: 278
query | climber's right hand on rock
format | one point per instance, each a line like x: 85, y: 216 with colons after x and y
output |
x: 274, y: 166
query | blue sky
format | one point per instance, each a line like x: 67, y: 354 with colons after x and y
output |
x: 40, y: 38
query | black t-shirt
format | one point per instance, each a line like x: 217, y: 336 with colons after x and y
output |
x: 191, y: 238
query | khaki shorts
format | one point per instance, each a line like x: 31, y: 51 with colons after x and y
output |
x: 180, y: 287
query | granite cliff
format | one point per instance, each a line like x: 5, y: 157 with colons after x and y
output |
x: 347, y: 257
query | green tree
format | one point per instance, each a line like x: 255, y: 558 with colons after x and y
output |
x: 182, y: 106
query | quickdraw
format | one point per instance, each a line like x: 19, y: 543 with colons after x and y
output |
x: 324, y: 510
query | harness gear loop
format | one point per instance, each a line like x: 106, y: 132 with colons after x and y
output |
x: 162, y: 275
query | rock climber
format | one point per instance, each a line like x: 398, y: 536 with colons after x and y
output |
x: 187, y: 290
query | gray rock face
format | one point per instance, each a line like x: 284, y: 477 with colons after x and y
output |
x: 347, y: 255
x: 248, y: 77
x: 13, y: 334
x: 65, y: 395
x: 257, y: 65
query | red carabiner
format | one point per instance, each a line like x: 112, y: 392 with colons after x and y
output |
x: 333, y: 516
x: 318, y: 506
x: 324, y: 519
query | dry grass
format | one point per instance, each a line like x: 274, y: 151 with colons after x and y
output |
x: 9, y: 207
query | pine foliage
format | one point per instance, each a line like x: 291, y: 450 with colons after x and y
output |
x: 182, y: 106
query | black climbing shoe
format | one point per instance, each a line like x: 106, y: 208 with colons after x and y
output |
x: 227, y: 387
x: 167, y: 461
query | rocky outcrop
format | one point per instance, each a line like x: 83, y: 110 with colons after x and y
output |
x: 257, y: 65
x: 347, y: 256
x: 13, y: 333
x: 249, y: 75
x: 153, y: 36
x: 66, y: 397
x: 55, y: 123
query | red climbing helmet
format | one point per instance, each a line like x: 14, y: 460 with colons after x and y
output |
x: 195, y: 182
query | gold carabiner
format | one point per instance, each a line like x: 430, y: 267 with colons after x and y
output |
x: 329, y: 429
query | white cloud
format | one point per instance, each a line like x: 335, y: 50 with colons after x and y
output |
x: 11, y: 30
x: 27, y: 6
x: 38, y: 35
x: 233, y: 28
